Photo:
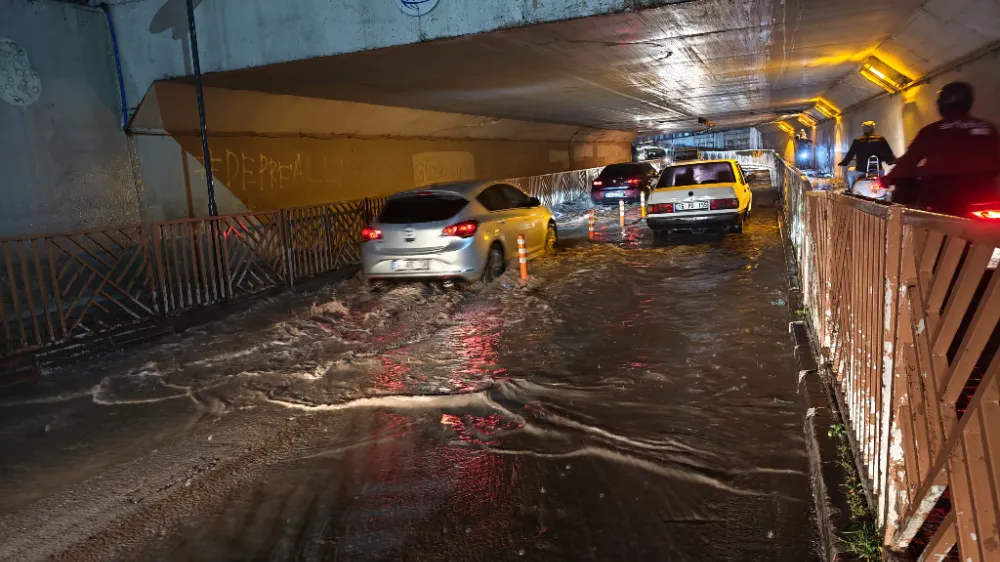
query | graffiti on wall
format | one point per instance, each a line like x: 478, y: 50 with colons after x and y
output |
x: 416, y: 7
x: 435, y: 167
x: 242, y: 172
x: 19, y: 83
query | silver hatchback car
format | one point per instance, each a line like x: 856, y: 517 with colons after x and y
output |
x: 465, y: 231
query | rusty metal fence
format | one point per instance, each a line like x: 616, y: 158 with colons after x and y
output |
x: 562, y: 187
x: 906, y: 306
x: 60, y: 287
x: 55, y: 288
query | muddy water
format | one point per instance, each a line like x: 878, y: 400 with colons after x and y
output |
x: 635, y: 401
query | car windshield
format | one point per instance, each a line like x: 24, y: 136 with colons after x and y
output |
x: 695, y: 174
x: 421, y: 207
x: 621, y: 171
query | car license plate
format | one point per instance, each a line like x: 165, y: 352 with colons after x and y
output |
x: 610, y: 194
x: 409, y: 265
x: 693, y: 206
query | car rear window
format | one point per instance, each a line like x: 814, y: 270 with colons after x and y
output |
x: 619, y: 171
x: 412, y: 209
x: 695, y: 174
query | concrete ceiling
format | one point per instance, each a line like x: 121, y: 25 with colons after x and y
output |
x: 735, y: 62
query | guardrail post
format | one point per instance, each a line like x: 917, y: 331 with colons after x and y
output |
x: 285, y: 237
x: 893, y: 266
x: 160, y: 294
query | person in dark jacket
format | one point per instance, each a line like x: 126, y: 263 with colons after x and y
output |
x: 953, y: 162
x: 864, y: 147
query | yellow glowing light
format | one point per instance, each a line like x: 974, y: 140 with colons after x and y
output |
x: 826, y: 108
x: 879, y: 79
x: 807, y: 120
x: 886, y: 77
x: 786, y: 127
x: 876, y: 72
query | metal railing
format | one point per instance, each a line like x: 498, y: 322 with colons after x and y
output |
x: 201, y: 262
x: 749, y: 160
x: 59, y: 287
x: 562, y: 187
x: 906, y: 306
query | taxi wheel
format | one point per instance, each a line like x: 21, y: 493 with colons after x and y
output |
x: 550, y: 240
x: 738, y: 229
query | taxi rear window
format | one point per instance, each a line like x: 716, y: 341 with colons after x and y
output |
x: 697, y: 174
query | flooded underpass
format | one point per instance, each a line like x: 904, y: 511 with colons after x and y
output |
x: 635, y: 401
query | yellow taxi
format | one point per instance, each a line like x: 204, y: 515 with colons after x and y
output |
x: 700, y: 195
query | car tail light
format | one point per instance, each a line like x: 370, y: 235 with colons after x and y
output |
x: 988, y: 214
x: 598, y: 183
x: 461, y: 229
x: 633, y: 181
x: 368, y: 234
x: 719, y: 204
x: 661, y: 208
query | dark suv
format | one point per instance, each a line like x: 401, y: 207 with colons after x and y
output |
x: 623, y: 182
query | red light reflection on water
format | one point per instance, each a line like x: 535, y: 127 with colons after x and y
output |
x: 479, y: 430
x: 391, y: 379
x: 484, y: 483
x: 478, y: 344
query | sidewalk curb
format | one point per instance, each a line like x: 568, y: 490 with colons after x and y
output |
x: 825, y: 475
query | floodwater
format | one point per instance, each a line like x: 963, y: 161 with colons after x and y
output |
x: 636, y: 401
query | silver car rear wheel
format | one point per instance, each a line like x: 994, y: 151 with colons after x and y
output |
x: 495, y: 265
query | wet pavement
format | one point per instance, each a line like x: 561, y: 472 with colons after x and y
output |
x: 636, y: 401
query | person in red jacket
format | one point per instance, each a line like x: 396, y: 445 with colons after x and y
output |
x: 952, y: 163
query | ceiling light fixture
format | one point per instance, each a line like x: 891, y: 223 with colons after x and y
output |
x: 884, y: 76
x: 807, y: 120
x: 826, y: 108
x: 786, y: 127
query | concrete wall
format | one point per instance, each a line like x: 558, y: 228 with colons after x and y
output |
x: 271, y: 151
x: 779, y: 141
x: 244, y: 33
x: 64, y: 160
x: 900, y: 117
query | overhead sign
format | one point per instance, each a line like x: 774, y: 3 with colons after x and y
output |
x: 416, y: 7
